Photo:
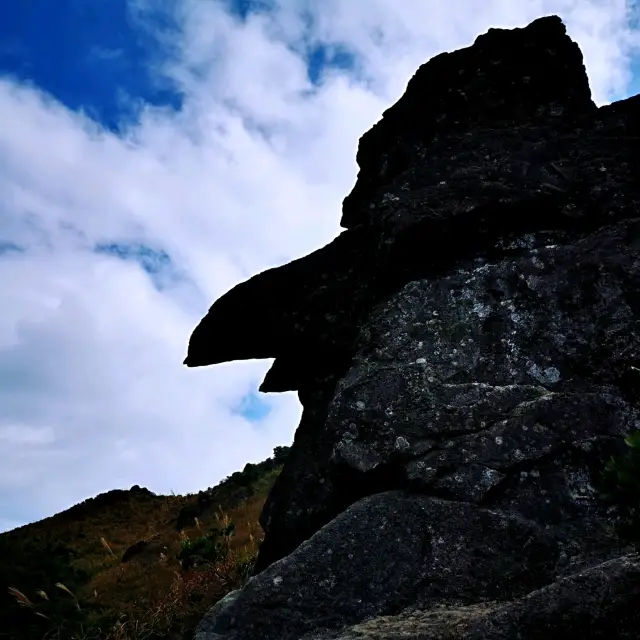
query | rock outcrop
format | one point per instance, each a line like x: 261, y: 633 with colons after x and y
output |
x: 464, y: 353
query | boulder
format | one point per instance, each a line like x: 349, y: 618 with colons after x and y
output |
x: 466, y: 354
x: 145, y: 551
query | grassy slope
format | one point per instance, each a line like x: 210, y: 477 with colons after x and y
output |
x: 150, y: 596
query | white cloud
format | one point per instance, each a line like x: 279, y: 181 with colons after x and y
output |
x: 249, y: 174
x: 25, y: 434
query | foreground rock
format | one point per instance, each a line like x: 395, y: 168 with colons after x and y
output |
x: 465, y: 356
x: 601, y: 602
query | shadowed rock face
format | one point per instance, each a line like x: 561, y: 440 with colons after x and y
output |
x: 464, y: 355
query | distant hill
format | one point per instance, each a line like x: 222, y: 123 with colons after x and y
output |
x: 64, y: 576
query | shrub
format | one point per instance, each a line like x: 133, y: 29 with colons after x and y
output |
x: 280, y: 454
x: 620, y: 488
x: 208, y: 549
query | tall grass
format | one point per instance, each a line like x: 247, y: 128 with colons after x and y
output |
x: 153, y: 600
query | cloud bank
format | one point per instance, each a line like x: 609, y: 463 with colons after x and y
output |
x: 116, y: 234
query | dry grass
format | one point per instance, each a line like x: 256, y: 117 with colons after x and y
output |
x: 154, y: 599
x: 66, y: 579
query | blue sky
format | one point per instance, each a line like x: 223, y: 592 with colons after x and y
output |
x: 153, y: 155
x: 88, y: 55
x: 100, y: 56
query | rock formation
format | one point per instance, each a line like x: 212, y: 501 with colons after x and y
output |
x: 464, y: 355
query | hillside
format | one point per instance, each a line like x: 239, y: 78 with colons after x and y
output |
x: 132, y: 564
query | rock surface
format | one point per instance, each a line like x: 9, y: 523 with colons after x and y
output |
x: 464, y: 353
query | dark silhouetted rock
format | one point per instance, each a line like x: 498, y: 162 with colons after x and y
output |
x: 464, y: 354
x: 136, y: 488
x: 144, y: 550
x: 187, y: 516
x: 134, y: 550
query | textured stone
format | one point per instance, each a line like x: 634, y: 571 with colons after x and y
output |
x: 466, y: 354
x: 344, y: 572
x: 600, y: 603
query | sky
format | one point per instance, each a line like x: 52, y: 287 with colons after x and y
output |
x: 153, y: 154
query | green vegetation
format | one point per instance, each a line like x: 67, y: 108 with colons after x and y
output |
x: 619, y: 487
x: 207, y: 549
x: 64, y: 578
